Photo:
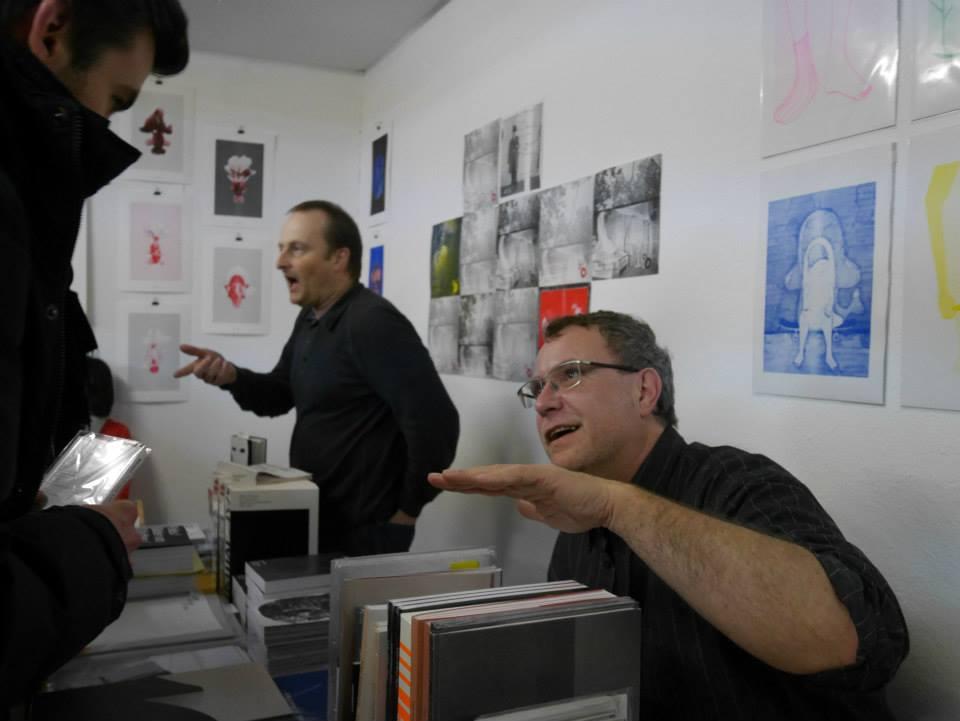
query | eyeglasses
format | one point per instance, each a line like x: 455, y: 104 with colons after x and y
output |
x: 563, y: 377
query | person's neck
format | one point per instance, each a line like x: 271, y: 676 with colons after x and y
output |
x: 626, y: 467
x: 321, y: 309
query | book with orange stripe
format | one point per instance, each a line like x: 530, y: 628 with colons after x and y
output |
x: 450, y: 600
x: 414, y: 629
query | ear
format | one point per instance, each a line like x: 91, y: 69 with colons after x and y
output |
x: 343, y: 258
x: 646, y: 390
x: 47, y: 34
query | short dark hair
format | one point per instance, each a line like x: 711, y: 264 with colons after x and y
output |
x: 96, y: 25
x: 634, y: 343
x: 342, y: 231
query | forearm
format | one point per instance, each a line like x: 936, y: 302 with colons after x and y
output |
x: 770, y: 597
x: 266, y: 394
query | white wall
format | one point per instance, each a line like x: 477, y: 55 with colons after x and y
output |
x: 622, y: 80
x: 316, y: 116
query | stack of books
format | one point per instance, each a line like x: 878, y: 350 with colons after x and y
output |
x: 288, y: 612
x: 165, y: 564
x: 364, y: 580
x: 435, y: 637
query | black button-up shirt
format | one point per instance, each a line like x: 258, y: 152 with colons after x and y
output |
x: 373, y: 417
x: 692, y: 671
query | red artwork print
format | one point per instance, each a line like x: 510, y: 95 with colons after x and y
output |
x: 558, y: 302
x: 156, y: 255
x: 157, y: 128
x: 153, y: 358
x: 236, y: 289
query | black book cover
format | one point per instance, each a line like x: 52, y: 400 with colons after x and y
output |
x: 499, y: 662
x: 163, y: 537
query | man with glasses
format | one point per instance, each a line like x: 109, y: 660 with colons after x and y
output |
x: 755, y: 605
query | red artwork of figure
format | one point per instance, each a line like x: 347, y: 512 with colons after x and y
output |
x: 156, y: 255
x: 157, y: 128
x: 239, y: 173
x: 153, y: 358
x: 236, y: 289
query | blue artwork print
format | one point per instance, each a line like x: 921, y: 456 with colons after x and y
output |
x: 378, y: 182
x: 819, y: 283
x: 375, y: 282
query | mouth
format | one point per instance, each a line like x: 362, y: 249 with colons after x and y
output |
x: 292, y: 283
x: 558, y: 432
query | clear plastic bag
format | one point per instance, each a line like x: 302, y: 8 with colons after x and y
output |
x: 92, y: 469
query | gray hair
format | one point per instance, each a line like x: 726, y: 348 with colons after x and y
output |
x: 634, y: 343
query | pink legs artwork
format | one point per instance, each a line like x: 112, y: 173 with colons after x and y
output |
x: 838, y: 74
x: 157, y: 128
x: 239, y: 172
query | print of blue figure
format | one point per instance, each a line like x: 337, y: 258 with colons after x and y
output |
x: 378, y: 183
x: 819, y: 282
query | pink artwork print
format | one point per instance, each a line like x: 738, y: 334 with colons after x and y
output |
x: 154, y: 253
x: 837, y: 75
x: 237, y: 287
x: 157, y: 128
x: 156, y: 242
x: 239, y: 172
x: 154, y: 341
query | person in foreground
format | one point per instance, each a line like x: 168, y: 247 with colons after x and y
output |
x: 373, y: 416
x: 754, y: 604
x: 64, y: 68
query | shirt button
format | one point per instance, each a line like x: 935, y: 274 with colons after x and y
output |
x: 53, y: 312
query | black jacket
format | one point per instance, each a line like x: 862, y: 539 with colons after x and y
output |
x: 63, y: 572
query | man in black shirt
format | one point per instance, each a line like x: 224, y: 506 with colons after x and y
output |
x: 755, y: 605
x: 373, y: 417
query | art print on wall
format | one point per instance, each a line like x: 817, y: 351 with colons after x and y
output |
x: 445, y: 258
x: 150, y: 334
x: 478, y: 251
x: 931, y: 294
x: 476, y: 334
x: 936, y: 75
x: 378, y: 176
x: 240, y: 176
x: 829, y: 70
x: 236, y: 286
x: 154, y: 253
x: 560, y: 302
x: 443, y: 336
x: 375, y: 278
x: 521, y: 142
x: 160, y: 126
x: 822, y: 326
x: 480, y: 152
x: 517, y: 233
x: 515, y: 334
x: 626, y: 220
x: 566, y: 232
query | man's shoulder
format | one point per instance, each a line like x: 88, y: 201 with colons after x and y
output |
x: 366, y: 308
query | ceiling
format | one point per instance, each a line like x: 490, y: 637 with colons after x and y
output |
x: 350, y: 35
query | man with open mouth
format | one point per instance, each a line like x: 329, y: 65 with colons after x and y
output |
x: 373, y: 417
x: 755, y: 606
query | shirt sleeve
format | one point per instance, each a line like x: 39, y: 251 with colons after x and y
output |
x: 267, y: 394
x: 767, y: 498
x: 399, y: 370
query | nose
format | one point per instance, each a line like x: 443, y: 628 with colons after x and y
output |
x: 549, y: 399
x: 282, y: 262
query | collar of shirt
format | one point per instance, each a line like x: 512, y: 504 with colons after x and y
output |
x: 331, y: 316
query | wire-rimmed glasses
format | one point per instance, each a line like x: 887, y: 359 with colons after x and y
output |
x: 563, y: 377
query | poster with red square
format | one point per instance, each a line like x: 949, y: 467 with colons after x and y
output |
x: 558, y: 302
